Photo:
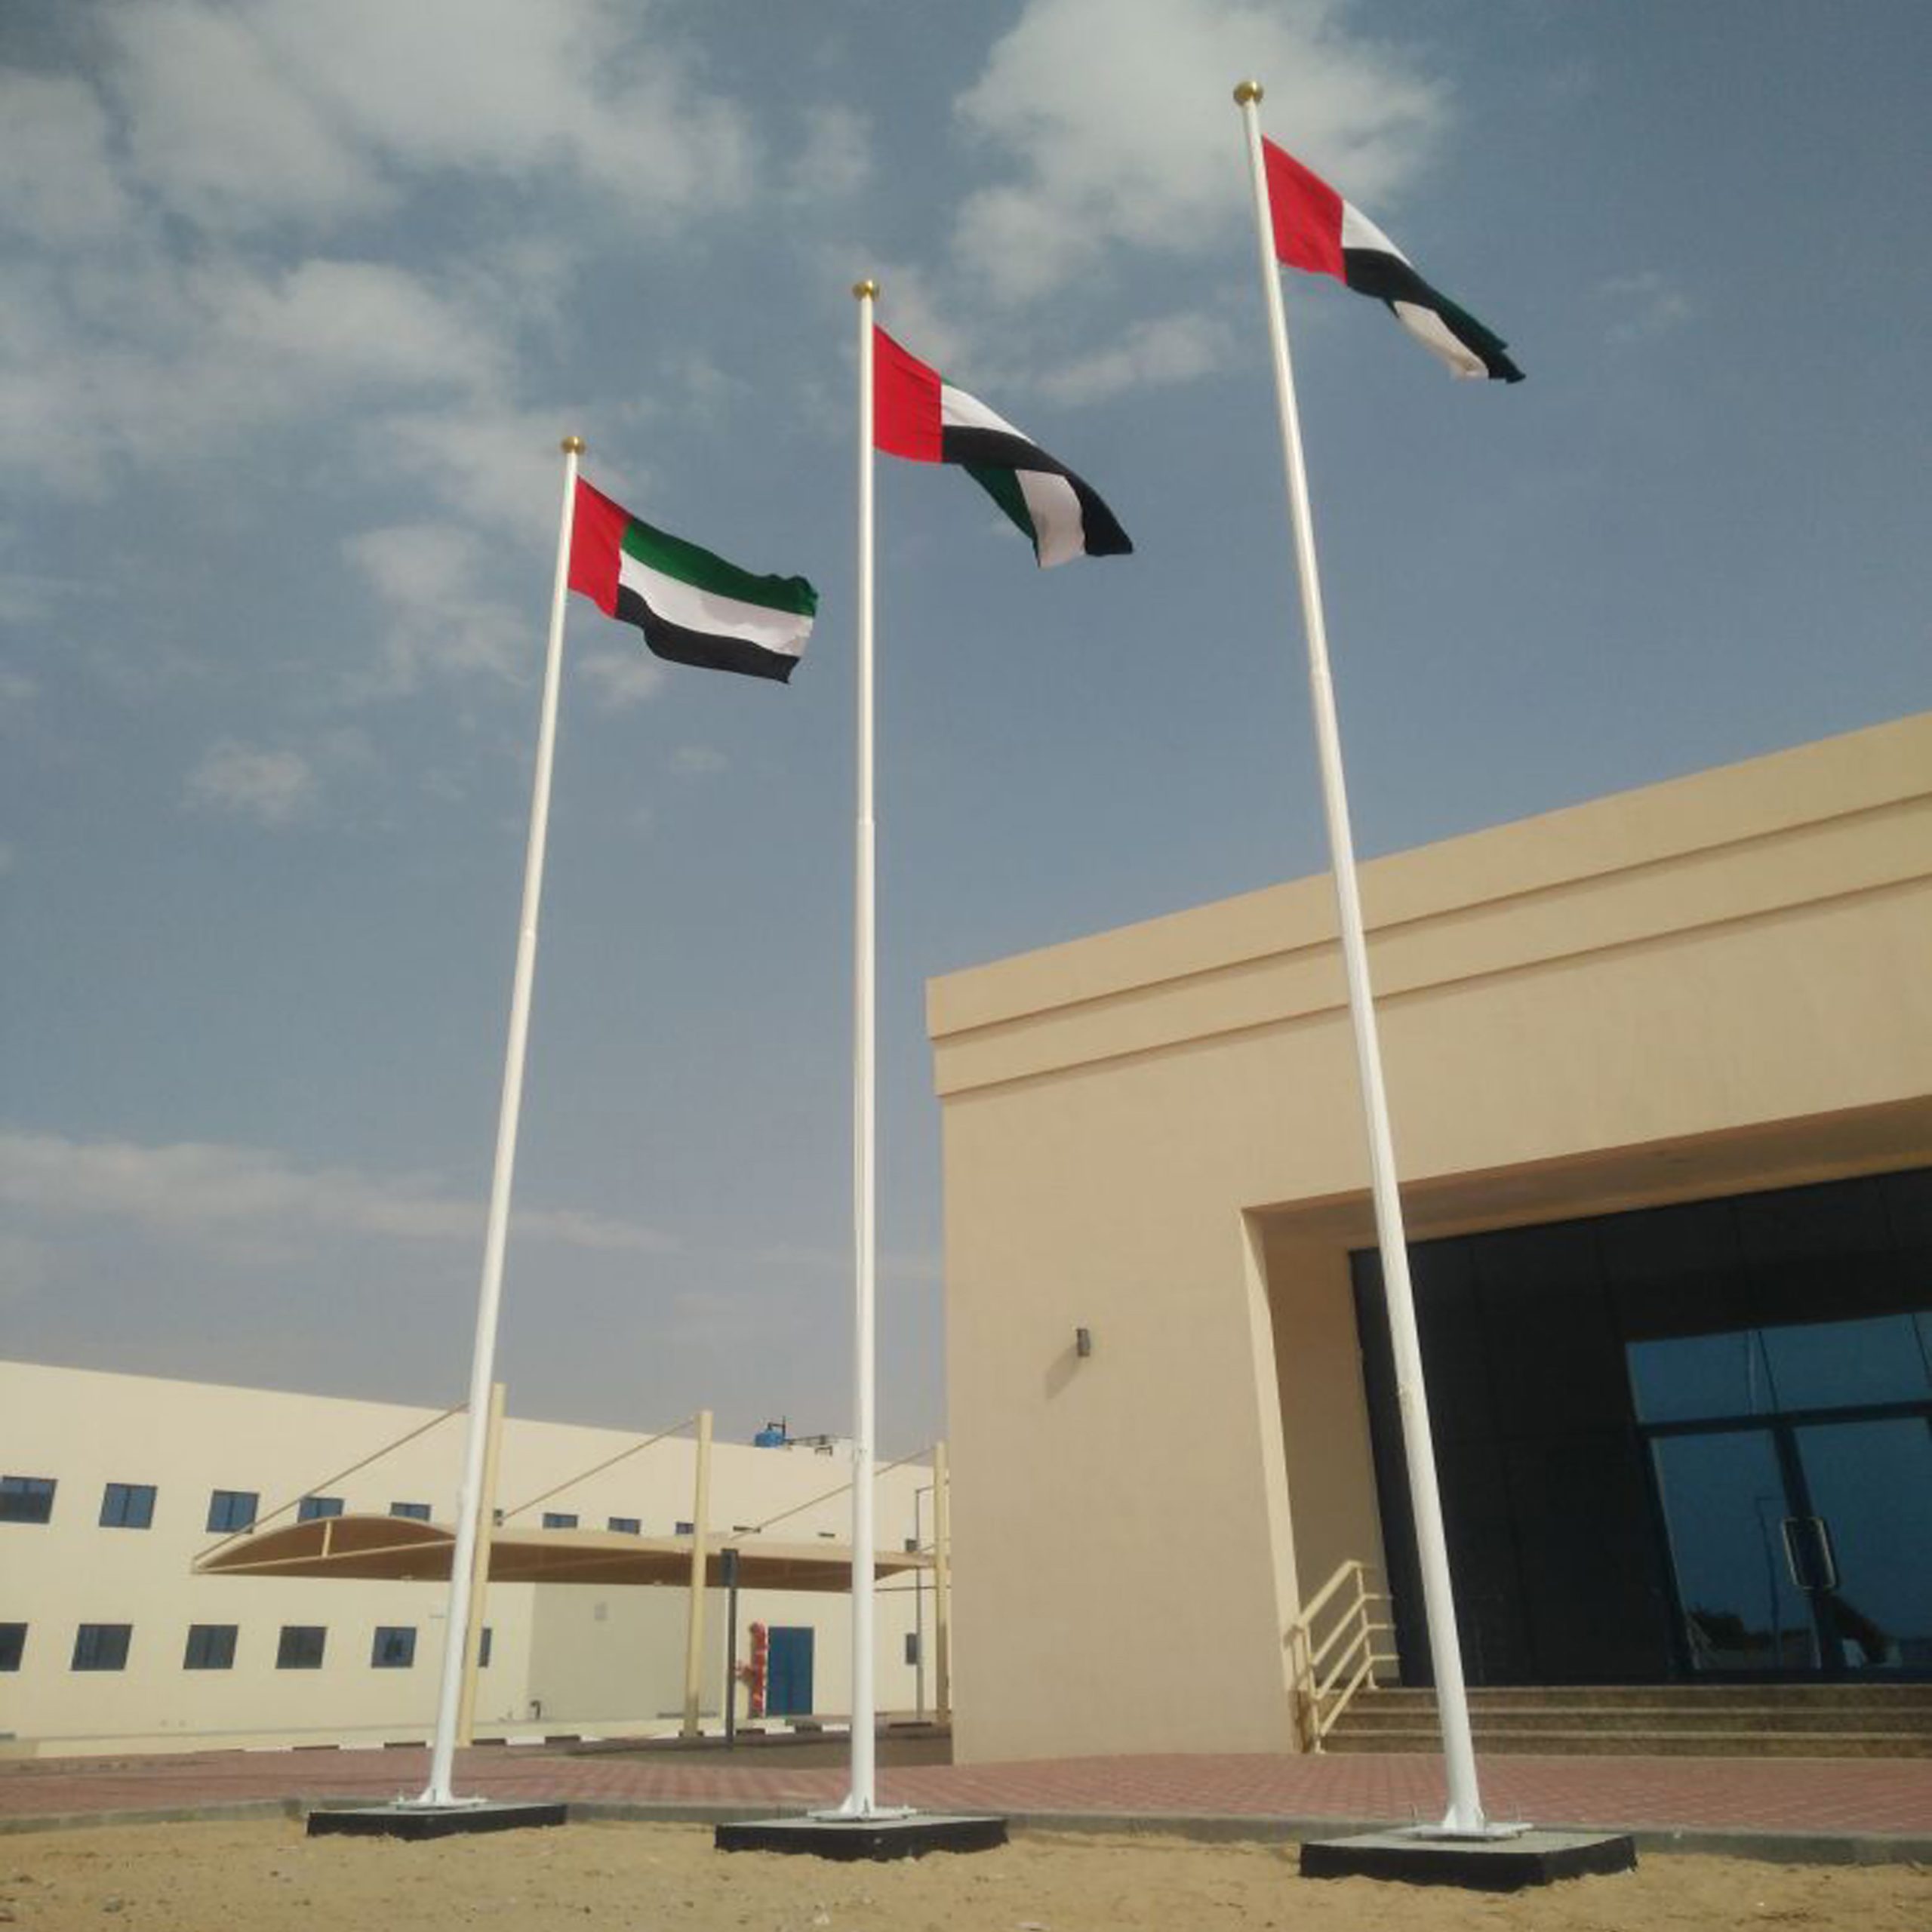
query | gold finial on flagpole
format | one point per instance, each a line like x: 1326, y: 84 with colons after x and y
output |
x: 1246, y: 91
x: 572, y: 446
x: 866, y: 291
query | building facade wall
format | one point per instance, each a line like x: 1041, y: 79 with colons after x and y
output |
x: 570, y: 1655
x: 1713, y: 985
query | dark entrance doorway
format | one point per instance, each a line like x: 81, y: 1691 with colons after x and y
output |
x: 1684, y: 1442
x: 1799, y: 1529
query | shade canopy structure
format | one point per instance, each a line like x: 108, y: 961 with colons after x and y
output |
x: 401, y: 1549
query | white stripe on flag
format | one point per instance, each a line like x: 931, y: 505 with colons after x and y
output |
x: 691, y: 609
x: 1433, y: 333
x: 1060, y: 529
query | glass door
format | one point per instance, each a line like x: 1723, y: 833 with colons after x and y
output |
x: 1737, y: 1553
x: 1869, y: 1483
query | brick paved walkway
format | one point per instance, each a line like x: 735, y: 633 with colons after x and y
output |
x: 1830, y: 1797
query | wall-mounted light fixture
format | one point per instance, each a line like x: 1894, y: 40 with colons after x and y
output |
x: 1083, y: 1342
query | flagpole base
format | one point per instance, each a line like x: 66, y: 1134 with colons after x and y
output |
x: 1497, y: 1858
x: 416, y: 1819
x: 879, y: 1835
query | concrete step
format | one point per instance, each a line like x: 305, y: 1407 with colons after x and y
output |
x: 1651, y: 1718
x: 1694, y: 1720
x: 1597, y: 1743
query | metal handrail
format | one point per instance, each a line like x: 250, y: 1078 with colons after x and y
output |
x: 1318, y: 1704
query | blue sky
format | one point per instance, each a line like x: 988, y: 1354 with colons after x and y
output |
x: 295, y: 300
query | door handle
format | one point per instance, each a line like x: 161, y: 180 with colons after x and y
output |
x: 1808, y: 1555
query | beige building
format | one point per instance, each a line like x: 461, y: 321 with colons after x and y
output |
x: 1660, y: 1073
x: 110, y: 1486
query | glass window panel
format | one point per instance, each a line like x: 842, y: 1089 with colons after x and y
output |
x: 310, y: 1507
x: 417, y: 1512
x: 26, y: 1499
x: 627, y: 1526
x: 557, y: 1519
x: 13, y: 1645
x: 394, y: 1647
x: 102, y: 1646
x: 1844, y: 1365
x: 1693, y: 1378
x: 301, y: 1647
x: 211, y: 1647
x: 232, y: 1509
x: 126, y: 1506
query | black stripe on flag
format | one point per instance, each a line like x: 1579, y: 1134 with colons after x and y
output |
x: 976, y: 450
x: 705, y: 649
x: 1390, y: 279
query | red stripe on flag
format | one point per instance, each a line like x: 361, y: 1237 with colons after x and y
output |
x: 597, y: 536
x: 906, y: 405
x: 1306, y: 213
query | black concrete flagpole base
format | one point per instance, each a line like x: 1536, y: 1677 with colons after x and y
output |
x: 911, y: 1836
x: 403, y: 1819
x: 1429, y: 1857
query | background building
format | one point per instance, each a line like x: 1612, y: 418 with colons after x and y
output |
x: 111, y: 1485
x: 1660, y: 1072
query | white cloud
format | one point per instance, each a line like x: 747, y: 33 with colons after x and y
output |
x: 1151, y: 354
x: 194, y: 1189
x: 1643, y: 306
x: 1118, y: 118
x: 346, y: 322
x: 620, y: 678
x: 286, y: 110
x: 426, y: 575
x: 57, y: 181
x: 493, y: 463
x: 273, y: 788
x: 698, y: 762
x: 836, y: 158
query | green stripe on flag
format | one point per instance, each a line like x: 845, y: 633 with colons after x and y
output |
x: 659, y: 551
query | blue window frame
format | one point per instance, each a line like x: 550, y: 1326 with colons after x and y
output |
x: 126, y: 1506
x: 627, y: 1526
x: 394, y: 1647
x: 26, y: 1499
x: 102, y: 1646
x: 211, y: 1647
x: 558, y: 1519
x: 232, y: 1509
x: 13, y: 1645
x: 417, y: 1512
x: 310, y: 1507
x: 300, y: 1647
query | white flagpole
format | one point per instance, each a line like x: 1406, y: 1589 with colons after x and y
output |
x: 861, y: 1801
x: 489, y: 1299
x: 1465, y: 1816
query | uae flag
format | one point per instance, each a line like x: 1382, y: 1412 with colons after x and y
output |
x: 693, y: 607
x: 1316, y: 229
x: 916, y: 414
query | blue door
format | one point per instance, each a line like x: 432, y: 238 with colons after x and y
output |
x: 788, y: 1667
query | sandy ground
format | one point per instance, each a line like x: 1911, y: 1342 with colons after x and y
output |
x: 267, y: 1876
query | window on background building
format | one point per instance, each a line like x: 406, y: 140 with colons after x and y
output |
x: 232, y: 1509
x: 13, y: 1645
x: 102, y: 1646
x: 301, y: 1647
x: 417, y: 1512
x: 687, y: 1529
x: 26, y: 1499
x: 310, y: 1507
x: 558, y: 1519
x: 211, y: 1647
x: 394, y: 1647
x: 628, y: 1526
x: 483, y: 1649
x: 126, y: 1506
